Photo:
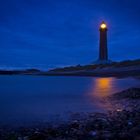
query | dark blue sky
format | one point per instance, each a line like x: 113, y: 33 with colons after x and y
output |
x: 49, y: 33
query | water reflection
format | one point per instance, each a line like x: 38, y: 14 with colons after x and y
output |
x: 102, y: 87
x: 31, y: 98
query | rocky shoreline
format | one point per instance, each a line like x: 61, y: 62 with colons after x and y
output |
x: 117, y: 124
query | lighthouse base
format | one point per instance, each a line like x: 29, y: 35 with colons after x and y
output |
x: 103, y: 62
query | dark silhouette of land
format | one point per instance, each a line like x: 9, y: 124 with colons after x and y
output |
x: 118, y: 69
x: 124, y: 68
x: 14, y: 72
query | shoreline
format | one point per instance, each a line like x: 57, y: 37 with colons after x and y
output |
x: 100, y: 73
x: 94, y: 74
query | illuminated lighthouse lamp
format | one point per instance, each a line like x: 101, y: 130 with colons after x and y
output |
x: 103, y: 26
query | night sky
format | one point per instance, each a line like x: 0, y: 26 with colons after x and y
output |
x: 54, y: 33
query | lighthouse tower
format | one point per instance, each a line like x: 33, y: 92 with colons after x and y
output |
x: 103, y: 50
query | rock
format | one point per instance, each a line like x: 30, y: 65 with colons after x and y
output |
x: 132, y: 93
x: 12, y: 137
x: 23, y: 138
x: 137, y: 138
x: 37, y: 137
x: 135, y: 131
x: 93, y: 133
x: 106, y: 134
x: 75, y: 124
x: 130, y: 123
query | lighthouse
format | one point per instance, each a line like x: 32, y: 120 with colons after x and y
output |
x: 103, y: 50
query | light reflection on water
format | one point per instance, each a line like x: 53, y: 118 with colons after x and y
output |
x: 105, y: 87
x: 102, y: 87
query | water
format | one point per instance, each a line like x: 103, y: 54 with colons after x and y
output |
x: 40, y: 98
